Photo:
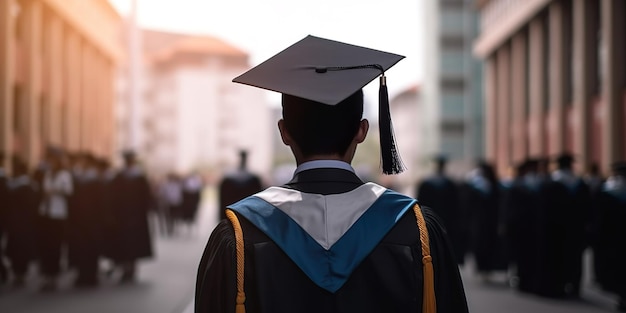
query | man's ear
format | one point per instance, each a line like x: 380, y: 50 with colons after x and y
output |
x: 361, y: 134
x: 284, y: 134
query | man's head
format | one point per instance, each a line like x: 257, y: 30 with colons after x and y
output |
x: 565, y: 161
x: 315, y: 129
x: 321, y: 82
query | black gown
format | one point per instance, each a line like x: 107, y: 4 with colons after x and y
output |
x: 4, y: 203
x: 236, y: 186
x: 389, y: 279
x: 562, y: 231
x: 442, y: 195
x: 131, y: 200
x: 483, y: 208
x: 85, y: 225
x: 22, y: 224
x: 610, y: 250
x: 522, y: 203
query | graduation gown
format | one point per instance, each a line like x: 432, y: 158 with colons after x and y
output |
x: 22, y: 223
x: 562, y: 229
x: 85, y: 223
x: 609, y: 250
x: 442, y: 195
x: 374, y: 266
x: 482, y: 204
x: 522, y: 202
x: 131, y: 199
x: 236, y: 186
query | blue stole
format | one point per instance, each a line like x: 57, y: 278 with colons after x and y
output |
x: 331, y: 268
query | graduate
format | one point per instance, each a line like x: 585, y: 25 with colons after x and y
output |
x: 609, y: 250
x: 562, y: 218
x: 442, y: 194
x: 522, y: 203
x: 326, y: 241
x: 22, y: 222
x: 131, y: 201
x: 238, y: 184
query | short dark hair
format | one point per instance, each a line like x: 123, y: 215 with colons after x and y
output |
x: 322, y: 129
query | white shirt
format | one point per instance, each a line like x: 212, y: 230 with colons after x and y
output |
x: 57, y: 188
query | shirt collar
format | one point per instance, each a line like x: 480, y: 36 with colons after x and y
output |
x: 324, y: 164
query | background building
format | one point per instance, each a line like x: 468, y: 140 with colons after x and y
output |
x: 452, y: 84
x: 554, y: 79
x: 57, y: 71
x: 193, y: 117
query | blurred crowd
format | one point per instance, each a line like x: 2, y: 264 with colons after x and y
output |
x: 536, y: 225
x: 76, y: 213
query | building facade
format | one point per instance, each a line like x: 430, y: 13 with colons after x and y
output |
x: 452, y: 87
x: 58, y: 63
x: 554, y: 79
x: 193, y: 117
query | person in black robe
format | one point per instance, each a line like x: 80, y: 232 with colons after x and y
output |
x: 4, y: 203
x: 238, y: 184
x: 192, y: 196
x: 609, y: 249
x: 22, y: 222
x: 85, y: 222
x: 305, y: 247
x: 522, y: 203
x: 442, y: 194
x: 481, y: 198
x: 562, y: 228
x: 131, y: 201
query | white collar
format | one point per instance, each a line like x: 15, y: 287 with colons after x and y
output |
x: 324, y: 164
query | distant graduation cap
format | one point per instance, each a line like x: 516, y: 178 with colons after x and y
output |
x: 565, y: 160
x: 328, y: 72
x: 619, y: 168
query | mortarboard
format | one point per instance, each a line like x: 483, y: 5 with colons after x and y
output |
x: 328, y: 72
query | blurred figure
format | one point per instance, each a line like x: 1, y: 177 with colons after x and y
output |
x: 192, y: 196
x: 172, y: 195
x: 609, y: 250
x: 85, y: 221
x: 566, y: 199
x: 4, y: 201
x: 522, y: 204
x: 238, y: 185
x: 482, y: 200
x: 441, y: 193
x: 22, y: 217
x: 130, y: 204
x: 57, y: 189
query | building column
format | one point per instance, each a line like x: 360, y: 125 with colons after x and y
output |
x: 54, y: 69
x: 7, y: 70
x: 585, y: 78
x: 86, y: 98
x: 504, y: 113
x: 537, y: 87
x: 519, y: 97
x: 491, y: 107
x: 557, y: 84
x: 613, y: 79
x: 73, y: 92
x: 30, y: 103
x: 108, y: 109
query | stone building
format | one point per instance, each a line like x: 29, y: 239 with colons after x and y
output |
x: 57, y: 71
x: 554, y: 79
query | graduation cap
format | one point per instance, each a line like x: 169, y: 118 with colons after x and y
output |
x: 327, y: 72
x: 619, y: 168
x: 565, y: 160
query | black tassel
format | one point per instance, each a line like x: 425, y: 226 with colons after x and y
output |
x: 392, y: 164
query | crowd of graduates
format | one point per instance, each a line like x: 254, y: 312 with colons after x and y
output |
x: 536, y: 225
x: 74, y: 211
